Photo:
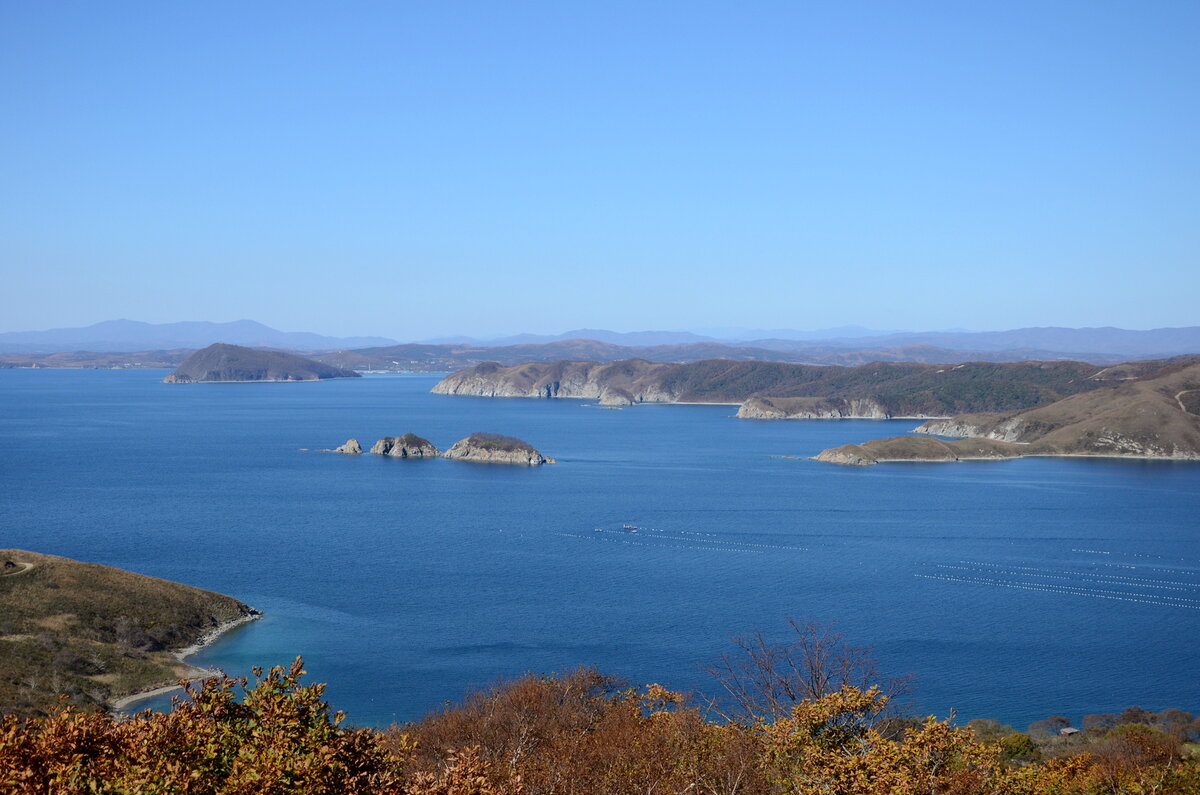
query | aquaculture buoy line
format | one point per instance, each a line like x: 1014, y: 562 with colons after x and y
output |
x: 678, y: 539
x: 648, y: 542
x: 1146, y: 586
x: 1120, y: 596
x: 1033, y: 571
x: 1143, y: 555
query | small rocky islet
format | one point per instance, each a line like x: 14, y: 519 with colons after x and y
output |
x: 484, y: 448
x: 407, y: 446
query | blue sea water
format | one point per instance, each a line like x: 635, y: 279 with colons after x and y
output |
x: 1013, y: 590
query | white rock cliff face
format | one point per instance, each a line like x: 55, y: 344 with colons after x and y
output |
x: 765, y: 408
x: 612, y: 384
x: 1007, y: 430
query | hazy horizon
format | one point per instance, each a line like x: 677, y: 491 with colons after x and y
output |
x: 415, y: 172
x: 727, y: 334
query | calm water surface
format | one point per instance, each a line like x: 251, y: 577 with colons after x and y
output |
x: 1011, y: 589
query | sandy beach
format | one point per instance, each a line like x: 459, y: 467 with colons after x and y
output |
x: 195, y: 674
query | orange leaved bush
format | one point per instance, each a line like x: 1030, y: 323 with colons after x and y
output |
x: 279, y: 737
x: 583, y: 733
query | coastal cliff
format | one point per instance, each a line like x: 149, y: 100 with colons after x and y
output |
x: 777, y: 390
x: 812, y: 408
x: 1150, y: 416
x: 613, y: 383
x: 230, y: 363
x: 492, y: 448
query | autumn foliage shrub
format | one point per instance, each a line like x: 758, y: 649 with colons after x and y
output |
x: 280, y: 737
x: 583, y: 732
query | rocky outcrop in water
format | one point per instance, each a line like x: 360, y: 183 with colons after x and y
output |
x: 492, y: 448
x: 917, y: 448
x: 407, y: 446
x: 351, y: 447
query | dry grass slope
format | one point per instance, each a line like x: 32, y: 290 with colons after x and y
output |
x: 1145, y: 417
x: 92, y: 633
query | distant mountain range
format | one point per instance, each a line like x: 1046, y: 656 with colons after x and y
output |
x: 631, y: 339
x: 635, y: 339
x: 416, y: 357
x: 1121, y: 342
x: 847, y: 345
x: 132, y: 335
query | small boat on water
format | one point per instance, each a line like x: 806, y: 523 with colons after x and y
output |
x: 629, y: 527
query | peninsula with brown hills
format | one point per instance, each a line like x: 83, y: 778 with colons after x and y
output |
x: 92, y: 634
x: 1150, y: 415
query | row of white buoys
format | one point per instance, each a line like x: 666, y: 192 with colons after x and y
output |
x: 696, y: 538
x: 1036, y: 571
x: 650, y: 541
x: 1144, y: 584
x: 1099, y: 579
x: 1125, y: 582
x: 1120, y: 596
x: 1143, y: 555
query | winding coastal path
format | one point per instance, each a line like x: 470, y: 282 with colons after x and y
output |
x: 27, y: 567
x: 1179, y: 399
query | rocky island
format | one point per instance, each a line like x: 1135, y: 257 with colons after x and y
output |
x: 1154, y: 415
x: 94, y: 633
x: 407, y: 446
x: 221, y: 362
x: 493, y: 448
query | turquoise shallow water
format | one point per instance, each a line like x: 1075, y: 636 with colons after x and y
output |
x: 1011, y: 589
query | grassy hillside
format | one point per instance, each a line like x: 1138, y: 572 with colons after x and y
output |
x: 1149, y: 416
x: 499, y: 443
x: 93, y: 633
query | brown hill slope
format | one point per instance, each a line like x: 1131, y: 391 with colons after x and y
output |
x: 93, y: 632
x: 1152, y: 416
x: 222, y: 362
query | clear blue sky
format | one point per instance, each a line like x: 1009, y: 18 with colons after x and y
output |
x: 413, y: 170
